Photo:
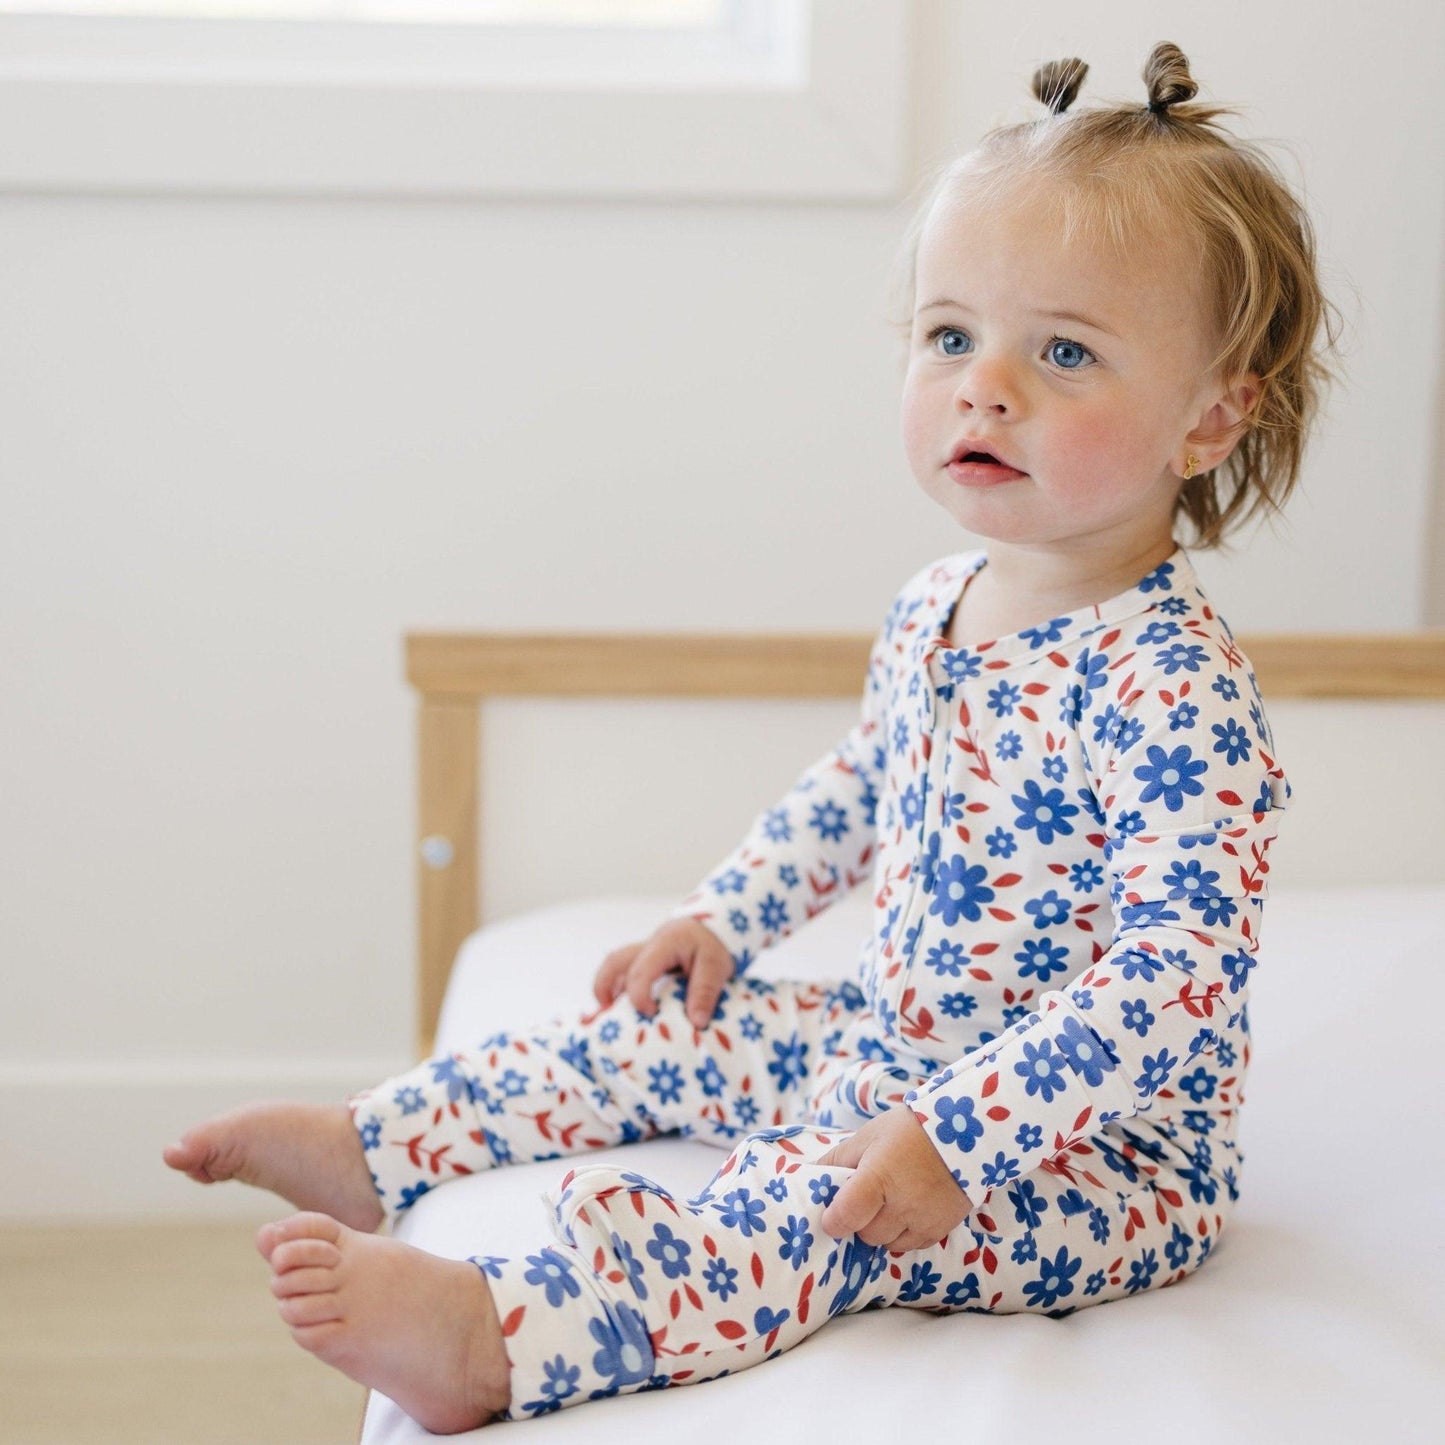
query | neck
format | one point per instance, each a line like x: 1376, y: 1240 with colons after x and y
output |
x: 1023, y: 588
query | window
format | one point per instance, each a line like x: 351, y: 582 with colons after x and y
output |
x: 701, y: 98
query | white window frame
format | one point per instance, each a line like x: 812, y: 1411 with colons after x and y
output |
x: 790, y: 100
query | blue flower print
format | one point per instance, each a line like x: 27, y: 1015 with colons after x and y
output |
x: 1191, y: 880
x: 1233, y: 742
x: 409, y: 1100
x: 1092, y: 667
x: 626, y: 1347
x: 772, y: 914
x: 797, y: 1241
x: 1236, y: 967
x: 1009, y: 746
x: 956, y: 1124
x: 1127, y: 734
x: 1146, y: 915
x: 951, y: 807
x: 791, y: 1064
x: 1040, y: 956
x: 730, y: 882
x: 1099, y: 1225
x: 1128, y: 823
x: 1141, y: 1271
x: 1051, y: 631
x: 900, y: 735
x: 631, y: 1266
x: 1161, y: 580
x: 822, y: 1189
x: 665, y: 1080
x: 561, y: 1379
x: 1029, y: 1136
x: 720, y: 1278
x: 551, y: 1270
x: 1029, y: 1205
x: 1086, y: 876
x: 1199, y: 1085
x: 738, y: 920
x: 370, y: 1133
x: 740, y: 1211
x: 1226, y: 687
x: 710, y: 1077
x: 776, y: 826
x: 1156, y: 634
x: 1156, y: 1073
x: 1180, y: 657
x: 1183, y: 716
x: 1050, y: 911
x: 1136, y: 1016
x: 1107, y: 723
x: 1171, y: 776
x: 961, y: 665
x: 1173, y: 606
x: 1177, y: 1250
x: 1088, y: 1055
x: 1041, y: 1070
x: 856, y: 1269
x: 670, y: 1252
x: 910, y: 803
x: 776, y: 1189
x: 1000, y: 1171
x: 1055, y: 768
x: 751, y: 1028
x: 957, y: 1005
x: 960, y: 891
x: 922, y: 1280
x: 1001, y: 843
x: 961, y: 1291
x: 1003, y: 699
x: 1055, y: 1281
x: 829, y: 821
x: 788, y: 875
x: 1096, y: 1281
x: 1046, y: 813
x: 947, y: 958
x: 448, y: 1072
x: 1215, y: 911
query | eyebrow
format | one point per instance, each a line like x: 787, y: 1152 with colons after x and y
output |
x: 1050, y: 315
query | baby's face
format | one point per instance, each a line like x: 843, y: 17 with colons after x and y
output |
x: 1082, y: 372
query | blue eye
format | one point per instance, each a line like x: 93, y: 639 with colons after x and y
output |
x: 1068, y: 354
x: 963, y: 336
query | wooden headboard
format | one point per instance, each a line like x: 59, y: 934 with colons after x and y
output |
x: 454, y: 673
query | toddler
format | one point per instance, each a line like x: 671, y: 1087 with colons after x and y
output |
x: 1061, y: 792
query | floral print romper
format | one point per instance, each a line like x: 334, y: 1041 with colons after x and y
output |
x: 1065, y: 836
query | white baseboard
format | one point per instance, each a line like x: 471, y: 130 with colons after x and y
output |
x: 82, y: 1141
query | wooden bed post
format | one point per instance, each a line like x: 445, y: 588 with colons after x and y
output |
x: 448, y: 884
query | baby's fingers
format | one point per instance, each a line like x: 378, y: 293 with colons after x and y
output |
x: 609, y: 980
x: 704, y: 987
x: 855, y: 1206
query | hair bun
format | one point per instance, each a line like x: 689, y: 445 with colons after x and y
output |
x: 1057, y: 83
x: 1167, y: 77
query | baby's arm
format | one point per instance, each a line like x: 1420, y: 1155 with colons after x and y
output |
x: 799, y: 857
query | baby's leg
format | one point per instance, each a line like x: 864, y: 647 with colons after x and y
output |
x: 610, y: 1078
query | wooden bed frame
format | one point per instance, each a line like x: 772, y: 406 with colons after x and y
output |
x: 454, y: 673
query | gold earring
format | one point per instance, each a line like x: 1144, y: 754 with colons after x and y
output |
x: 1190, y: 462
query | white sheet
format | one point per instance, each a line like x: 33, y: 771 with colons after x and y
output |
x: 1318, y: 1319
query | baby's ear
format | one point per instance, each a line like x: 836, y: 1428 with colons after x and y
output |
x: 1224, y: 422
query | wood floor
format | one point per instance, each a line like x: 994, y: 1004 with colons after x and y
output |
x: 165, y: 1335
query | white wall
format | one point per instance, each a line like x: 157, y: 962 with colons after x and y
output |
x: 246, y: 444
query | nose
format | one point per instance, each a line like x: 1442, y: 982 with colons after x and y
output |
x: 989, y: 384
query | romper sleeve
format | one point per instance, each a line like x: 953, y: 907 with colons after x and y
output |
x: 1189, y: 794
x: 814, y: 845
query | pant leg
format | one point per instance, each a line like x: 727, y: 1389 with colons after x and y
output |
x: 608, y: 1077
x: 642, y: 1290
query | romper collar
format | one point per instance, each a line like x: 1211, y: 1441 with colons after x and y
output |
x: 1172, y: 586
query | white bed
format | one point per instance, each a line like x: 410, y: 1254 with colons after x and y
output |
x: 1322, y: 1315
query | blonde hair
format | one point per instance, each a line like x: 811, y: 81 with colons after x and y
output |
x: 1118, y: 171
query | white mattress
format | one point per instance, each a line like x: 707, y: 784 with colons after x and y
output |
x: 1321, y: 1316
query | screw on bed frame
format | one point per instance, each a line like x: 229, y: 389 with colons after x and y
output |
x: 437, y: 852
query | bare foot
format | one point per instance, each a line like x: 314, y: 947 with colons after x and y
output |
x: 309, y: 1154
x: 420, y: 1329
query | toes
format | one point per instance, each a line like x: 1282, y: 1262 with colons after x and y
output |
x: 304, y: 1253
x: 309, y: 1225
x: 310, y: 1309
x: 303, y: 1281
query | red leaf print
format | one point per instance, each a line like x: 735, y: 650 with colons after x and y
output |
x: 1007, y: 880
x: 998, y: 1112
x: 757, y: 1269
x: 674, y: 1305
x: 990, y: 1085
x: 982, y: 950
x: 513, y: 1322
x: 731, y: 1329
x: 693, y: 1295
x: 1233, y: 799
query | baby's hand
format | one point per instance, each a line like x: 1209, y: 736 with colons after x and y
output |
x: 681, y: 946
x: 900, y: 1193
